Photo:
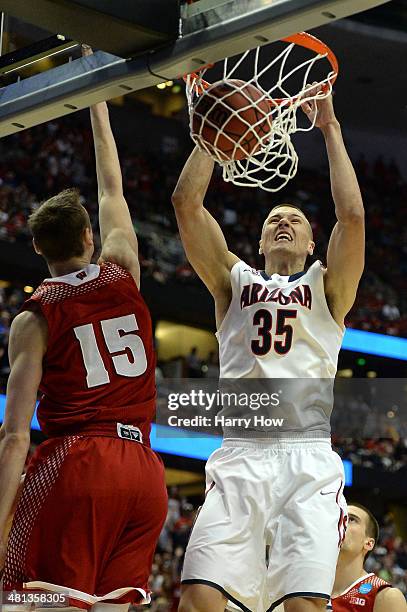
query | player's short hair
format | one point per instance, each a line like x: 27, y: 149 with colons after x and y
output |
x: 285, y: 205
x: 58, y: 224
x: 372, y: 526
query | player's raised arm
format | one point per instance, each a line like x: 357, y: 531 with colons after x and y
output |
x: 203, y: 239
x: 346, y: 250
x: 119, y: 240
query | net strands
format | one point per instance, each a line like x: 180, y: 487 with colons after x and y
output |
x: 274, y: 160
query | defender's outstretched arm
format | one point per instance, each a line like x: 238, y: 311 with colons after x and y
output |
x: 119, y: 240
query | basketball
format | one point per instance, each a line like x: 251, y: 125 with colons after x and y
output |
x: 231, y: 118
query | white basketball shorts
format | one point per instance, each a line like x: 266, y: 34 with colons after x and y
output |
x: 284, y: 494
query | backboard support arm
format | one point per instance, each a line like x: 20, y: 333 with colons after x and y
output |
x: 102, y: 76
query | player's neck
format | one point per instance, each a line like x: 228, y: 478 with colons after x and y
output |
x: 61, y: 268
x: 348, y: 571
x: 283, y: 266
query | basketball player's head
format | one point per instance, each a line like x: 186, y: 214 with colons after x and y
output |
x: 61, y: 228
x: 286, y: 233
x: 362, y: 532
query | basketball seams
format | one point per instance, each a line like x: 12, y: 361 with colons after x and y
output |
x: 231, y: 119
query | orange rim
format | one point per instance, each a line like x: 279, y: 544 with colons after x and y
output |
x: 302, y: 39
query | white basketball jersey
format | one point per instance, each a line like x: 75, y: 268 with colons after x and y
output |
x: 278, y: 326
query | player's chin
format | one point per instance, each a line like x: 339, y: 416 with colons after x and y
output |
x: 283, y: 245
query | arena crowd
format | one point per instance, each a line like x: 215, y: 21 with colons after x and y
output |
x: 37, y: 163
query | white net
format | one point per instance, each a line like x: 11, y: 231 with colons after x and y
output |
x: 253, y: 142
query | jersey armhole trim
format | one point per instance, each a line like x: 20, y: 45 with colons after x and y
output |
x: 323, y: 270
x: 384, y: 586
x: 35, y: 306
x: 130, y: 275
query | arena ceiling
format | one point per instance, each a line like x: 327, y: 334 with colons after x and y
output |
x: 372, y: 50
x: 371, y: 90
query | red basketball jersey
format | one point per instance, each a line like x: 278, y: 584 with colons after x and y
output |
x: 99, y: 367
x: 360, y: 596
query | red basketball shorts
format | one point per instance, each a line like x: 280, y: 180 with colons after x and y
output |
x: 88, y: 520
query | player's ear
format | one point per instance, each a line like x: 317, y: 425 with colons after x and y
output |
x: 36, y: 249
x: 311, y: 247
x: 369, y: 544
x: 260, y: 247
x: 88, y: 235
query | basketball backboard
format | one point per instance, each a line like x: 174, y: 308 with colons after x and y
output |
x: 209, y: 30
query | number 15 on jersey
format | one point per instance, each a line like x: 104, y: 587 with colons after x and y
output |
x: 119, y: 337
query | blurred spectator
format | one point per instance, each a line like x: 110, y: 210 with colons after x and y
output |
x: 211, y: 365
x: 193, y: 364
x: 390, y: 311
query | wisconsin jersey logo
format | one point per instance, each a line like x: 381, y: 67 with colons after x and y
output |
x: 129, y: 432
x: 81, y: 275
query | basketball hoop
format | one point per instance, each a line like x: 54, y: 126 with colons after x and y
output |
x: 275, y: 159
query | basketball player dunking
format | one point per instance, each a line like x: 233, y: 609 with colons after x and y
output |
x: 355, y: 590
x: 94, y: 498
x: 282, y: 489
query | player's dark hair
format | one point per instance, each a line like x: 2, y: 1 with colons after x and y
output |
x: 58, y: 224
x: 372, y: 526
